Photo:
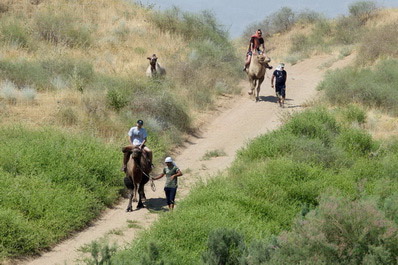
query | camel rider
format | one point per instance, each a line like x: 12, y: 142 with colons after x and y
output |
x: 137, y: 136
x: 256, y: 45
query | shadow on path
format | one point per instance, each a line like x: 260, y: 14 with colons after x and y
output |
x: 156, y: 205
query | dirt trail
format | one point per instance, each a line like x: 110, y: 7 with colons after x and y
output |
x: 229, y: 129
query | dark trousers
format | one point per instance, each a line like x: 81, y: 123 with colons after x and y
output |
x: 170, y: 195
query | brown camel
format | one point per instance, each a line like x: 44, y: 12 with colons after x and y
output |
x: 137, y: 175
x: 256, y: 72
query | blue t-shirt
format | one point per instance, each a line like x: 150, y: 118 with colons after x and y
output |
x: 280, y: 77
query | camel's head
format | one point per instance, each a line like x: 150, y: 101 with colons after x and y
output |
x: 263, y: 59
x: 136, y: 153
x: 152, y: 60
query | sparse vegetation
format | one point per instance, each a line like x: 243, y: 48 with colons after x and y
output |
x: 213, y: 153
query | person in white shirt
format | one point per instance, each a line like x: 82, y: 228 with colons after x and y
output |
x: 137, y: 136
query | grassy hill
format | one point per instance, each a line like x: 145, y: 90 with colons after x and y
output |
x: 72, y: 82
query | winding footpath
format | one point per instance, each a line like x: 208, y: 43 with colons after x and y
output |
x: 228, y: 129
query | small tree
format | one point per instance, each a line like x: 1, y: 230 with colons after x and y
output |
x: 283, y: 19
x: 363, y: 10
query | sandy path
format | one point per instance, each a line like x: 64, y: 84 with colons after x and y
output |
x: 229, y: 129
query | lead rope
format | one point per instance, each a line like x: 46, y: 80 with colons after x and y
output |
x: 153, y: 187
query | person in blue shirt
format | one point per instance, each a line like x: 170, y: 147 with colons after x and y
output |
x: 280, y: 76
x: 172, y: 172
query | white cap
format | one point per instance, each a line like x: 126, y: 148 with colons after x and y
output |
x: 168, y: 160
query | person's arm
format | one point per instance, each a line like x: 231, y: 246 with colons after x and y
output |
x: 272, y: 80
x: 143, y: 142
x: 158, y: 176
x: 177, y: 174
x: 285, y: 80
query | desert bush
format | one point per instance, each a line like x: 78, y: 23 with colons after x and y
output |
x: 359, y: 234
x: 14, y: 32
x: 347, y: 30
x: 283, y: 19
x: 9, y: 92
x: 63, y: 28
x: 116, y: 100
x: 309, y: 17
x: 372, y: 48
x: 189, y: 25
x: 363, y: 10
x: 67, y: 116
x: 370, y: 87
x: 224, y: 246
x: 164, y: 108
x: 300, y: 43
x: 28, y: 94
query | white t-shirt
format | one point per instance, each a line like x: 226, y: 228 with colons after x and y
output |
x: 137, y: 135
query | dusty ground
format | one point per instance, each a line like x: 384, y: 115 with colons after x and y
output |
x: 228, y: 129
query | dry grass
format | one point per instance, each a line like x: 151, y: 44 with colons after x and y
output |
x: 122, y: 40
x: 380, y: 125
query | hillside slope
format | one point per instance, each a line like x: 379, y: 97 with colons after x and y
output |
x: 229, y: 130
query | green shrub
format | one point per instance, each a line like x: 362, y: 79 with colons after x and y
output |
x: 116, y: 100
x: 224, y: 246
x: 315, y: 123
x: 62, y: 28
x: 356, y: 141
x: 363, y: 10
x: 353, y: 114
x: 370, y: 87
x: 151, y: 256
x: 14, y: 33
x: 359, y: 234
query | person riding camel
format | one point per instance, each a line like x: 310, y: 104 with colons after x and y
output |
x: 137, y: 136
x: 256, y: 45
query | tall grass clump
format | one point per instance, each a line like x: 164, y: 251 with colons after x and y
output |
x: 41, y: 74
x: 279, y: 177
x: 63, y: 28
x: 369, y: 87
x: 51, y: 185
x: 14, y: 33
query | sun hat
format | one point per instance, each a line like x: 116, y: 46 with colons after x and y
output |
x: 168, y: 160
x: 282, y: 65
x: 140, y: 122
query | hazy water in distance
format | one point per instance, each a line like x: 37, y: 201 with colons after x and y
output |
x: 236, y: 15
